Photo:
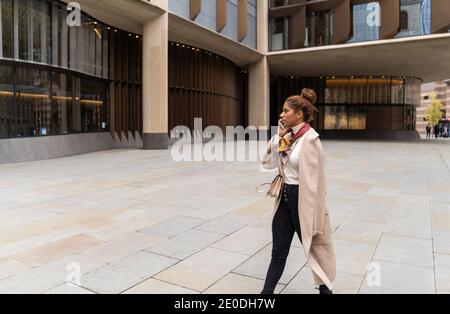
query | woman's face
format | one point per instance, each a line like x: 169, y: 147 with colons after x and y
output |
x: 289, y: 118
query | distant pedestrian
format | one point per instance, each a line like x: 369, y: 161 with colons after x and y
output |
x: 428, y: 130
x: 446, y: 135
x: 441, y: 130
x: 436, y: 131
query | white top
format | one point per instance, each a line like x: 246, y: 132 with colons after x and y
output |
x: 291, y: 170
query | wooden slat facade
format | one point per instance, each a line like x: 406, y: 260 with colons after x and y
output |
x: 205, y: 85
x: 125, y: 87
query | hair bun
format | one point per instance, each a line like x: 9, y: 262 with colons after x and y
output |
x: 309, y: 95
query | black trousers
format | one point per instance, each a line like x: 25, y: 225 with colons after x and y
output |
x: 285, y: 224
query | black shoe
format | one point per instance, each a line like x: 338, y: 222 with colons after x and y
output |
x: 324, y: 290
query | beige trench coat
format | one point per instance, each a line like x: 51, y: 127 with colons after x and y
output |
x: 313, y: 212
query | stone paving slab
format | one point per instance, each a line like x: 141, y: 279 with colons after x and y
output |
x: 405, y: 250
x: 258, y: 264
x: 400, y: 279
x: 202, y: 270
x: 128, y: 272
x: 154, y: 286
x: 344, y: 284
x: 185, y: 244
x: 239, y: 284
x: 173, y: 226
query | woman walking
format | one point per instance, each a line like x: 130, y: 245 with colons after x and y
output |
x: 300, y: 193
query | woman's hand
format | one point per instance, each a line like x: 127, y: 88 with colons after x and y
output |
x: 282, y: 131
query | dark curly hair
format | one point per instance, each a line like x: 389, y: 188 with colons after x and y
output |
x: 305, y: 103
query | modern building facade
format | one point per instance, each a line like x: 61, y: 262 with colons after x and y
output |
x: 124, y: 73
x: 442, y: 90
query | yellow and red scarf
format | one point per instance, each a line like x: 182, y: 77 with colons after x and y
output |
x: 285, y: 145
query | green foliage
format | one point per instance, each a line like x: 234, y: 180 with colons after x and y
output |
x: 434, y: 112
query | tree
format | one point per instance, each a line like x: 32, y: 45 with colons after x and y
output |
x: 434, y: 112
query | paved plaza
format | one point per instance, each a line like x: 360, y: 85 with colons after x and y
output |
x: 134, y: 221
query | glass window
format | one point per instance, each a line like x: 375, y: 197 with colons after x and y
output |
x: 7, y: 121
x: 47, y: 102
x: 398, y: 91
x: 357, y: 93
x: 282, y: 3
x: 336, y: 118
x: 62, y: 101
x: 6, y: 26
x: 360, y: 90
x: 425, y: 17
x: 341, y: 118
x: 357, y: 118
x: 90, y: 109
x: 412, y: 91
x: 60, y: 36
x: 33, y: 103
x: 410, y: 120
x: 40, y: 31
x: 330, y: 118
x: 415, y: 18
x: 23, y: 18
x: 379, y: 90
x: 403, y: 21
x: 362, y: 29
x: 345, y: 118
x: 34, y: 30
x: 279, y: 33
x: 319, y: 28
x: 336, y: 91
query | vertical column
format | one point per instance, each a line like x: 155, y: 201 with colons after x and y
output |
x: 390, y: 18
x: 342, y: 30
x: 1, y: 31
x: 155, y: 83
x: 259, y: 76
x: 195, y: 6
x: 221, y: 15
x: 299, y: 24
x: 55, y: 39
x: 76, y: 109
x: 262, y: 22
x: 259, y: 94
x: 16, y: 29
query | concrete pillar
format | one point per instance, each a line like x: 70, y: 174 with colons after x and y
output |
x: 259, y: 74
x: 155, y: 83
x: 259, y: 94
x: 262, y: 21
